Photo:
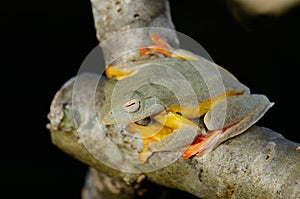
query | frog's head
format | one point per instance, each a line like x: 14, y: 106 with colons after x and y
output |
x: 129, y: 107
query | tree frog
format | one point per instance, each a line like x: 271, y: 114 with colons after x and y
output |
x: 159, y: 96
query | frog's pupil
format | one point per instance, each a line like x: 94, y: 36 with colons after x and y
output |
x: 128, y: 105
x: 132, y: 106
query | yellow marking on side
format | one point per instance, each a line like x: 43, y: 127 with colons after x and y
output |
x: 173, y: 120
x: 204, y: 106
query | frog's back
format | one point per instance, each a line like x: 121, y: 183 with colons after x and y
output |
x: 201, y: 78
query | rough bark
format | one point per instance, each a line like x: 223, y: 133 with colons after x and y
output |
x: 259, y: 163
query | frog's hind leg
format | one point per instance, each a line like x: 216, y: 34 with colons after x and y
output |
x: 232, y: 110
x: 204, y: 106
x: 239, y: 113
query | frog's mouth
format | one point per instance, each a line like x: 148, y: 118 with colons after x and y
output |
x: 113, y: 119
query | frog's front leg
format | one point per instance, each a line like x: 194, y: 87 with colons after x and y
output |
x: 174, y: 120
x: 154, y: 132
x: 229, y: 118
x: 163, y: 124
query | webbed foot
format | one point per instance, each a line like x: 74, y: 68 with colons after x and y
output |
x: 203, y: 144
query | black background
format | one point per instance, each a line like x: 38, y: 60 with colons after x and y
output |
x: 44, y: 43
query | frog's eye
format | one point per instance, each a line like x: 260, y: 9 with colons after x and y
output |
x: 144, y: 122
x: 132, y: 105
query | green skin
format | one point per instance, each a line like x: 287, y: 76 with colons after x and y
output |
x: 163, y: 82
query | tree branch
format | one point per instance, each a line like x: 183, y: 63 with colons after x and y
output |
x: 259, y: 163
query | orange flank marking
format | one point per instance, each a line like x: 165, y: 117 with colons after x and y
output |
x: 144, y: 51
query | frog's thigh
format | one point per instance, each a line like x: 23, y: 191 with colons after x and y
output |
x: 245, y: 108
x: 204, y: 106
